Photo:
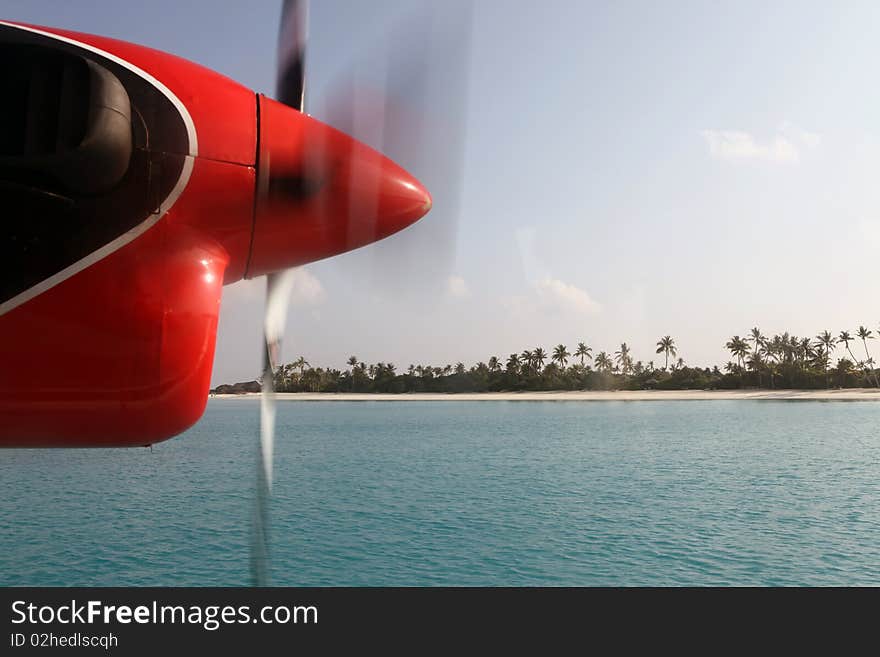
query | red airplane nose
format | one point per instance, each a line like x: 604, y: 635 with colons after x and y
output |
x: 321, y: 193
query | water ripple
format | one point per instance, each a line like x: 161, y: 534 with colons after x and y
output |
x: 489, y: 493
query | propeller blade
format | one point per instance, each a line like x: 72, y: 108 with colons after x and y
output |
x: 278, y: 288
x: 290, y: 90
x: 406, y: 96
x: 290, y: 84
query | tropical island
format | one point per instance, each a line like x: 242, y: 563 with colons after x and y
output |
x: 783, y: 361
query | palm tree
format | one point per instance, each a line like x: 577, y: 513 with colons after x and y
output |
x: 844, y: 368
x: 540, y: 356
x: 603, y: 362
x: 827, y: 342
x: 785, y: 346
x: 739, y: 348
x: 513, y: 363
x: 583, y: 351
x: 805, y: 351
x: 770, y: 350
x: 866, y: 335
x: 731, y: 346
x: 352, y: 362
x: 773, y: 348
x: 623, y: 358
x: 666, y: 345
x: 756, y: 363
x: 757, y: 338
x: 302, y: 364
x: 846, y: 338
x: 527, y: 358
x: 494, y: 364
x: 560, y: 355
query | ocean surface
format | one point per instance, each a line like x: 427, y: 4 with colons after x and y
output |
x: 465, y: 493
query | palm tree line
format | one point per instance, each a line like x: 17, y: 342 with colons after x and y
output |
x: 757, y: 361
x: 786, y: 360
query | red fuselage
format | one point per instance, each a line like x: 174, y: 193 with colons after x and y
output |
x: 121, y: 242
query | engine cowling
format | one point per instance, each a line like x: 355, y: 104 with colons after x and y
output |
x: 111, y: 284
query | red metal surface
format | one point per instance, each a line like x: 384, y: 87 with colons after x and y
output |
x: 219, y: 203
x: 120, y: 354
x: 359, y: 196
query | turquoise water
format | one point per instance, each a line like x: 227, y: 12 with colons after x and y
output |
x: 459, y: 493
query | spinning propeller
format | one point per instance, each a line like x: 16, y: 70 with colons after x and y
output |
x: 290, y: 90
x: 322, y: 186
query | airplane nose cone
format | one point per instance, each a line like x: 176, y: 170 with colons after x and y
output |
x: 321, y: 193
x: 383, y: 197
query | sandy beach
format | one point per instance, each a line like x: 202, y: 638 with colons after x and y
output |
x: 848, y: 394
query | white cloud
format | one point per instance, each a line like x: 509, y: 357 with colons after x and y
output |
x: 457, y: 287
x: 306, y: 289
x: 737, y: 145
x: 565, y: 296
x: 806, y: 138
x: 551, y: 296
x: 784, y: 147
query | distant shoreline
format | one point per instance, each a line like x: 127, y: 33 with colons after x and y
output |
x: 845, y: 394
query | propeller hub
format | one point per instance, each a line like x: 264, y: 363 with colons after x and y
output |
x: 321, y: 193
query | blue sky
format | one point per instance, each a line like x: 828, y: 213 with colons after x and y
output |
x: 630, y: 170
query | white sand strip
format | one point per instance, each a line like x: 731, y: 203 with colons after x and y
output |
x: 848, y: 394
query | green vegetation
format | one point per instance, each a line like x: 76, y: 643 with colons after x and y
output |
x: 782, y: 361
